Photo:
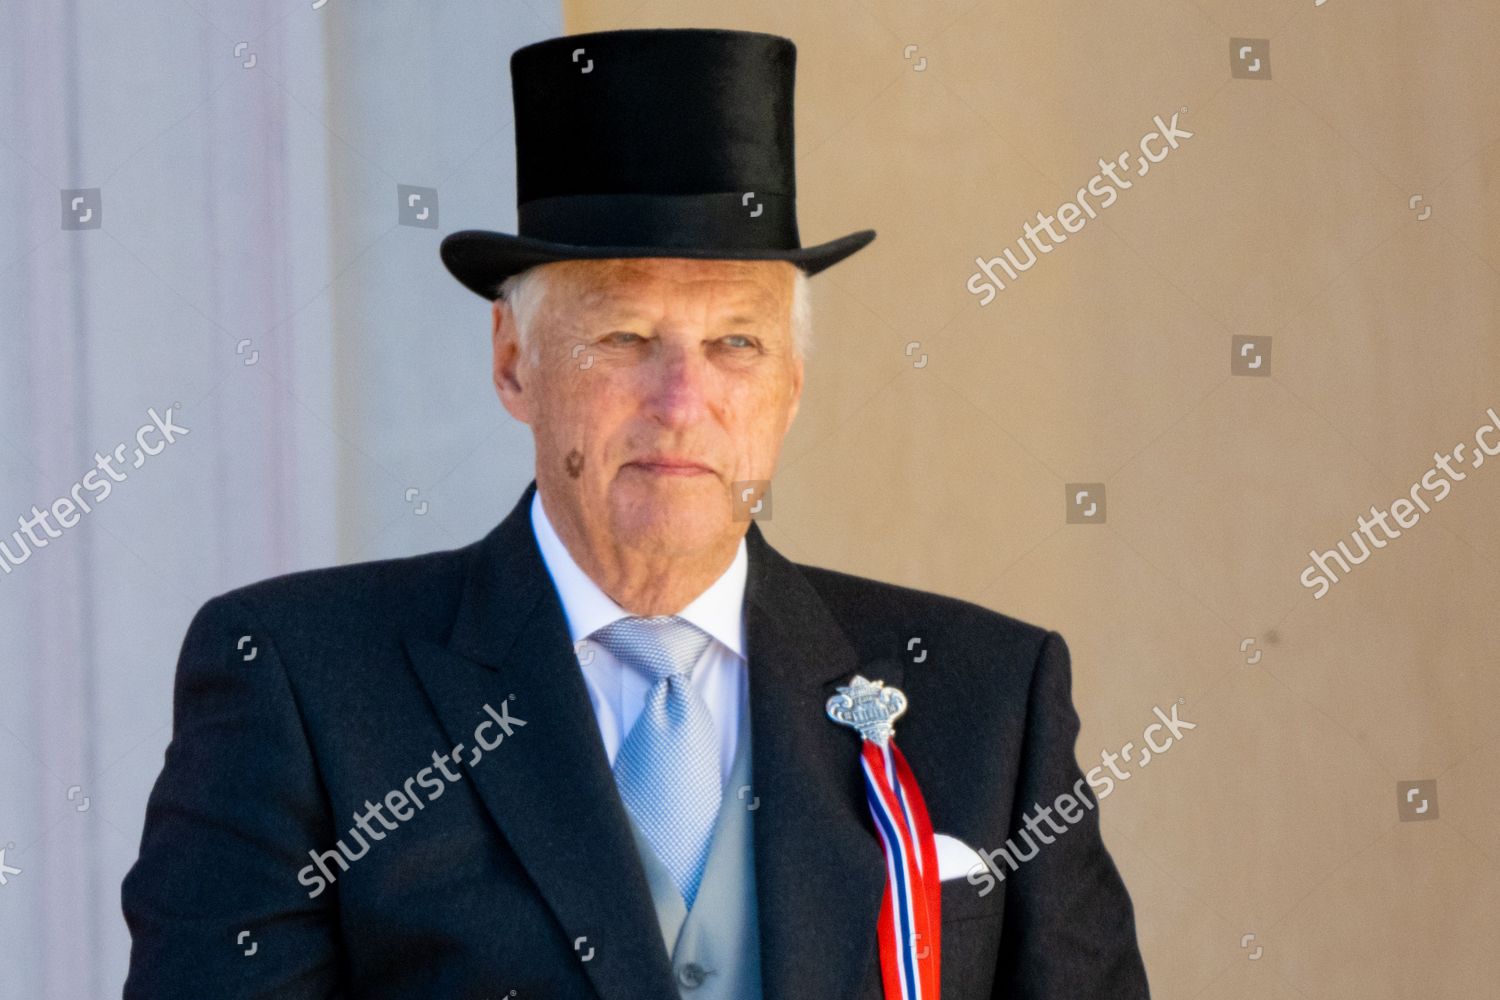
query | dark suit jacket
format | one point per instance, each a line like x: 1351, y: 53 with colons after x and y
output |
x: 357, y: 675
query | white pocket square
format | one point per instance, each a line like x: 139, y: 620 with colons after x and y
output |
x: 955, y: 858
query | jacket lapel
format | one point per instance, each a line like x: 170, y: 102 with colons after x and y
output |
x: 820, y: 872
x: 548, y: 786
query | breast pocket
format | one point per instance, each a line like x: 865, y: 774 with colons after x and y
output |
x: 970, y: 937
x: 962, y: 901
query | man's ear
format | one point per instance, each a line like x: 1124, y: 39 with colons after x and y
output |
x: 797, y: 366
x: 796, y: 393
x: 506, y: 341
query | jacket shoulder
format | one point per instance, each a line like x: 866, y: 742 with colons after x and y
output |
x: 357, y: 602
x: 892, y: 612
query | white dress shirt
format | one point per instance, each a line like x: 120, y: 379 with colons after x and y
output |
x: 618, y: 691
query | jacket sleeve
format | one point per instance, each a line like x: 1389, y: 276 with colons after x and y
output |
x: 1069, y: 928
x: 213, y: 902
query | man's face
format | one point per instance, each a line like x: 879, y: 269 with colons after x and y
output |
x: 661, y: 382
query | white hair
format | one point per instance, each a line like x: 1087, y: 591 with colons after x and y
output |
x: 524, y: 292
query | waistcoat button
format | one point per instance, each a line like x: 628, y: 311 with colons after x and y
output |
x: 692, y: 975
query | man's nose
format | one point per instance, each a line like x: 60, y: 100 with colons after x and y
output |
x: 678, y: 381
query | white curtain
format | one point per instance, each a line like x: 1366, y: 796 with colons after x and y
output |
x: 199, y: 215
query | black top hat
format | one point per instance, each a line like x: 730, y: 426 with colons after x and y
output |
x: 650, y: 142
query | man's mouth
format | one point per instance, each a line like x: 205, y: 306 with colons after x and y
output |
x: 671, y: 465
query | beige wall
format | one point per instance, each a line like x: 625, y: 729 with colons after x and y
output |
x: 1286, y: 216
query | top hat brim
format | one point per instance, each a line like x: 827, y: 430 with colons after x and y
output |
x: 481, y: 259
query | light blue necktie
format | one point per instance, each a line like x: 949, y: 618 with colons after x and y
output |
x: 667, y: 769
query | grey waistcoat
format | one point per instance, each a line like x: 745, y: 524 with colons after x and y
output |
x: 715, y: 948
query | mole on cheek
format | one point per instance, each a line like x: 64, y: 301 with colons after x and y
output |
x: 574, y: 463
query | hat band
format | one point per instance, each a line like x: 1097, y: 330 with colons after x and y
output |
x: 729, y: 220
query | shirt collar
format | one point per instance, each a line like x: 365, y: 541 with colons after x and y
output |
x: 719, y: 610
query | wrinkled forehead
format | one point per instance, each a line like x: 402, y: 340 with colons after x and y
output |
x: 741, y: 291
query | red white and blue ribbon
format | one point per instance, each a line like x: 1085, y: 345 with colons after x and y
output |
x: 911, y: 912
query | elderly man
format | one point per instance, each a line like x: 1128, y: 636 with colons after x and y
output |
x: 597, y: 753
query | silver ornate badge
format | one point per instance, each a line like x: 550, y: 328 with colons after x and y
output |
x: 868, y: 706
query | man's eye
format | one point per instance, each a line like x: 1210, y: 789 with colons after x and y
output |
x: 744, y: 341
x: 619, y: 336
